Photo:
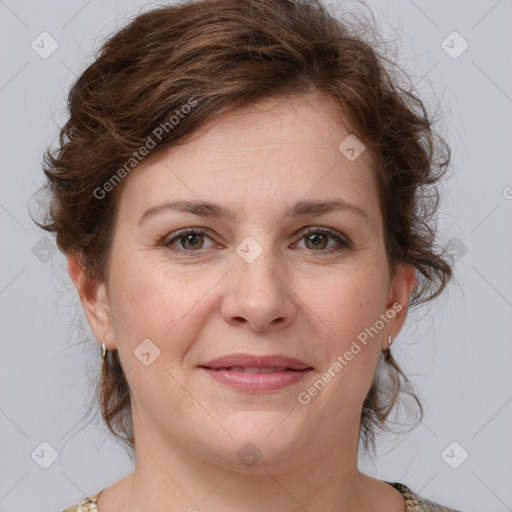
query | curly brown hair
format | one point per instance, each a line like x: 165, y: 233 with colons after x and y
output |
x: 220, y: 55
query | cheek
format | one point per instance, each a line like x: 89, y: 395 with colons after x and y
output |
x: 348, y: 305
x: 150, y: 302
x: 348, y: 309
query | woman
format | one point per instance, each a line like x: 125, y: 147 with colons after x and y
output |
x: 243, y: 193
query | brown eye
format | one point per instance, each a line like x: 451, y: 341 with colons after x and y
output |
x: 191, y: 241
x: 317, y: 241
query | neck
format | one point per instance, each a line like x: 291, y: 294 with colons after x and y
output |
x: 322, y: 479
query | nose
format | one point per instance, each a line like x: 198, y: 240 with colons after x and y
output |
x: 258, y: 295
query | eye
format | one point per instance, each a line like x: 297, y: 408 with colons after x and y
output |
x: 317, y: 239
x: 189, y: 240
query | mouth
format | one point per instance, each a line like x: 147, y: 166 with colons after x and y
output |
x: 255, y: 369
x: 256, y: 373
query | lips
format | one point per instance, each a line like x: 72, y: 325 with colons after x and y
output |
x: 256, y: 373
x: 255, y: 369
x: 253, y: 363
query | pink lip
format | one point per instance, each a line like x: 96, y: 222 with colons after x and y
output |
x: 249, y: 360
x: 291, y: 370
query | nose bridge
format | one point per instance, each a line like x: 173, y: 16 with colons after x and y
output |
x: 258, y: 293
x: 259, y: 267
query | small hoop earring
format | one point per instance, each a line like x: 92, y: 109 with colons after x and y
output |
x: 103, y: 350
x: 390, y: 340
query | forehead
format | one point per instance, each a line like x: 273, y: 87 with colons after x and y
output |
x: 257, y: 157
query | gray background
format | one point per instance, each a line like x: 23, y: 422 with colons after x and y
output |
x: 457, y: 351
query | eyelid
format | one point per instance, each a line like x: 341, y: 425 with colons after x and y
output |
x: 182, y: 232
x: 342, y: 239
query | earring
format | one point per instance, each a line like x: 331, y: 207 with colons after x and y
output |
x: 387, y: 351
x: 103, y: 350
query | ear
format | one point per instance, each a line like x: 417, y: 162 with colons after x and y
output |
x: 93, y: 295
x: 401, y: 289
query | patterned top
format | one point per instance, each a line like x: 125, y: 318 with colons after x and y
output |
x: 413, y: 502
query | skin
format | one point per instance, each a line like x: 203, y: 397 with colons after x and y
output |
x: 294, y: 299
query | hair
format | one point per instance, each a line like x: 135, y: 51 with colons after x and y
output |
x: 216, y: 56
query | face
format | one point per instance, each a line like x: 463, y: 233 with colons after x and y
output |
x: 249, y: 327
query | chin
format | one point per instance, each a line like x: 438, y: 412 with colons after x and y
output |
x: 260, y: 439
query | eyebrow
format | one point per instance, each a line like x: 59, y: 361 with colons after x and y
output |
x: 214, y: 210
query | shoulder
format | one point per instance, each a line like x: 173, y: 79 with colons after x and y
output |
x: 416, y: 503
x: 86, y: 505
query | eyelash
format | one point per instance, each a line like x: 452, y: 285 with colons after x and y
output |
x: 343, y: 244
